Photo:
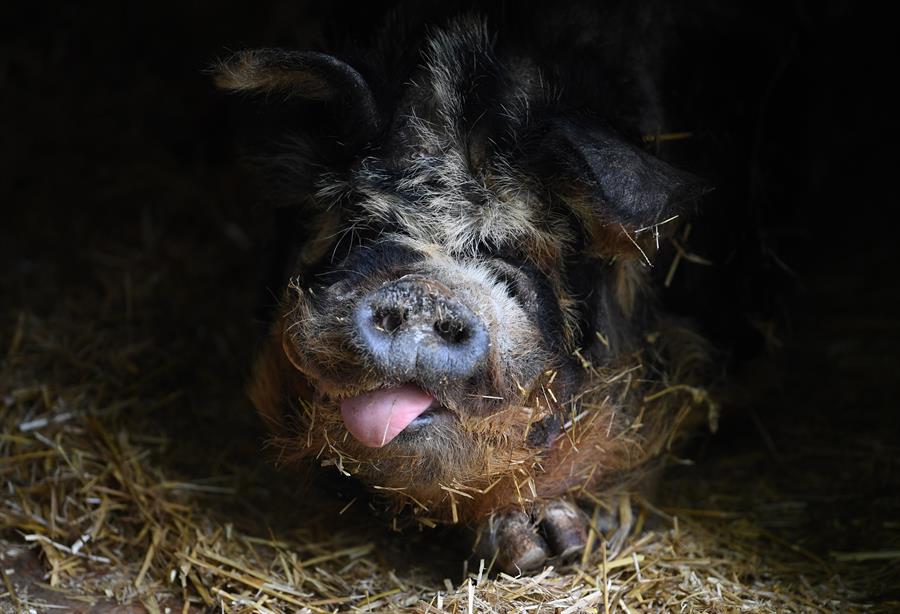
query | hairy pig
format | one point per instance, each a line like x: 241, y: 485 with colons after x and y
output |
x: 467, y: 323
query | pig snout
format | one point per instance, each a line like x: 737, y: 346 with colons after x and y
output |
x: 417, y: 329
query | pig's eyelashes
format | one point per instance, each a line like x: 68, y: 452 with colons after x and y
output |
x: 512, y: 280
x: 512, y: 288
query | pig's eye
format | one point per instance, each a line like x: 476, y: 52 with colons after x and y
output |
x: 513, y: 279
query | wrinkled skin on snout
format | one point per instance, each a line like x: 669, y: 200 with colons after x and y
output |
x: 467, y: 325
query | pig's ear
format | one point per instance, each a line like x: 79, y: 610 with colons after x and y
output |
x: 608, y: 180
x: 304, y: 76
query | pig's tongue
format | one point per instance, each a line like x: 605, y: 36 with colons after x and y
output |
x: 375, y: 418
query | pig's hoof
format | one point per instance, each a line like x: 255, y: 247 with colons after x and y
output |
x: 519, y: 543
x: 565, y: 528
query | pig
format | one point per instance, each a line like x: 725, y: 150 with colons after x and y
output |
x: 468, y: 324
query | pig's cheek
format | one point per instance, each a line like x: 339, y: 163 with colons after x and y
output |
x: 294, y: 333
x: 519, y: 355
x: 316, y: 335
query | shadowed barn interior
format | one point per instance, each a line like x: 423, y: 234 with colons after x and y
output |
x: 134, y: 243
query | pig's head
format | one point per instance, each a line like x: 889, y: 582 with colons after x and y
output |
x: 464, y: 239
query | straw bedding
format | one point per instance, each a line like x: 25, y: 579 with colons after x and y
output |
x: 134, y: 475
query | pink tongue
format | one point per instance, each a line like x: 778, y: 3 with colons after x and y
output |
x: 375, y: 418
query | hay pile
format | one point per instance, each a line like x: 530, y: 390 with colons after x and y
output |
x: 132, y: 475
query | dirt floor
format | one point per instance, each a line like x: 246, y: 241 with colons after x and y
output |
x: 134, y: 471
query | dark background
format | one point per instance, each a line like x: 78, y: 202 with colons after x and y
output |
x: 790, y: 110
x: 121, y: 168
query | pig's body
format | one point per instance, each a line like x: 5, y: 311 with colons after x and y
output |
x: 467, y: 326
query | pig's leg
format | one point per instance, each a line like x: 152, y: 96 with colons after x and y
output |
x: 510, y: 539
x: 557, y: 529
x: 518, y: 542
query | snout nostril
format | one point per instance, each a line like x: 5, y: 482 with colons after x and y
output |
x: 390, y: 320
x: 418, y: 330
x: 451, y: 332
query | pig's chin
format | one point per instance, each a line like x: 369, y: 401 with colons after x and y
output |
x: 400, y: 413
